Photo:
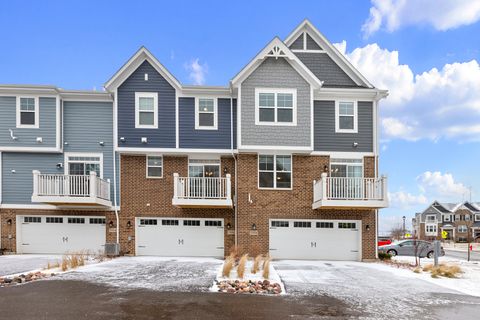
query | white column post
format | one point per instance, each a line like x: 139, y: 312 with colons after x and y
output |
x: 323, y: 181
x: 93, y: 184
x: 229, y: 186
x: 108, y: 190
x: 175, y: 185
x: 36, y: 175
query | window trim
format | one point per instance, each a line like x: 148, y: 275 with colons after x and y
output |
x: 275, y: 91
x: 274, y: 171
x: 37, y: 113
x: 146, y: 166
x: 431, y: 232
x: 462, y: 225
x: 215, y: 114
x: 67, y: 156
x: 337, y: 116
x: 335, y: 161
x: 139, y: 95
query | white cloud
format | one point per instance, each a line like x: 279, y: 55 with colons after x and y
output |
x: 440, y: 14
x: 197, y: 71
x: 405, y: 200
x: 439, y: 103
x: 441, y: 186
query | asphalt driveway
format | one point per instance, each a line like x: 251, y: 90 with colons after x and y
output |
x: 13, y: 264
x: 170, y: 288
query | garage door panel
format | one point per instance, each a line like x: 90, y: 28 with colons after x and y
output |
x: 315, y: 239
x: 55, y: 235
x: 189, y: 237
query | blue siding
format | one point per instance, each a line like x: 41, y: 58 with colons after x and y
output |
x: 18, y: 187
x: 209, y: 139
x: 27, y: 136
x: 164, y: 136
x: 85, y: 125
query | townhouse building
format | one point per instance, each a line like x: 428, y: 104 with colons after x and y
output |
x: 281, y: 161
x: 460, y: 221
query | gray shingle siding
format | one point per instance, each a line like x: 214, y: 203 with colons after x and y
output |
x: 164, y: 136
x: 311, y: 44
x: 208, y: 139
x: 325, y: 138
x: 298, y: 43
x: 275, y: 73
x: 325, y: 69
x: 27, y: 136
x: 86, y: 124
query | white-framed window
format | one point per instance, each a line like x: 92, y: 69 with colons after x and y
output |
x: 462, y: 228
x: 446, y: 218
x: 477, y: 217
x: 346, y: 116
x: 346, y: 168
x: 467, y: 217
x: 275, y: 171
x: 431, y: 229
x: 457, y: 217
x: 154, y: 167
x: 146, y: 110
x: 84, y: 163
x: 206, y: 114
x: 276, y: 107
x: 27, y: 112
x: 431, y: 218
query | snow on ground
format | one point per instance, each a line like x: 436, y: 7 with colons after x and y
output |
x: 23, y: 263
x: 273, y: 276
x: 154, y: 273
x: 380, y: 290
x: 468, y: 282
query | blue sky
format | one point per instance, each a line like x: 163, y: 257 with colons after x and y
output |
x: 425, y: 52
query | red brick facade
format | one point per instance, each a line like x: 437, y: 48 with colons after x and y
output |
x: 143, y: 197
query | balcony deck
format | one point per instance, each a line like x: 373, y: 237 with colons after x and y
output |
x: 333, y: 192
x: 204, y: 192
x: 71, y: 190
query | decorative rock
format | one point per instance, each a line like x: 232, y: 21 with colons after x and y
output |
x: 249, y: 286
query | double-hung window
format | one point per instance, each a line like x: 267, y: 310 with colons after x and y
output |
x: 462, y: 228
x: 431, y: 229
x: 154, y: 166
x: 146, y: 110
x: 27, y: 112
x: 275, y: 106
x: 206, y: 113
x: 275, y: 171
x: 346, y: 117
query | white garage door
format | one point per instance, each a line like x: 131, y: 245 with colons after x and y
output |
x: 315, y: 239
x: 60, y: 234
x: 179, y: 237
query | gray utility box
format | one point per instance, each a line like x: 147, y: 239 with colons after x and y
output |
x: 112, y: 249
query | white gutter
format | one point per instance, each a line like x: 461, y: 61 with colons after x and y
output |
x: 115, y: 173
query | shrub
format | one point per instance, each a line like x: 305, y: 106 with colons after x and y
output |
x: 256, y: 264
x: 443, y: 270
x: 266, y: 268
x: 417, y: 270
x: 73, y: 260
x: 227, y: 267
x: 241, y: 266
x: 64, y: 264
x: 384, y: 256
x: 235, y: 252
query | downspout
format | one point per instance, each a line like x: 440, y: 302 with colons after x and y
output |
x: 235, y: 199
x: 115, y: 207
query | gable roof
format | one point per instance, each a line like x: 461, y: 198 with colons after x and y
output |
x: 277, y: 49
x: 133, y: 63
x: 327, y: 46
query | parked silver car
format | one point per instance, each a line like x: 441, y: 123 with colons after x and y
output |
x: 418, y: 248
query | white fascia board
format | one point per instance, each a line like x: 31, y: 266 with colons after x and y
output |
x: 86, y: 96
x: 343, y: 155
x: 337, y: 56
x: 295, y: 62
x: 289, y: 149
x: 174, y: 151
x: 133, y: 63
x: 192, y: 91
x: 357, y: 93
x: 31, y: 149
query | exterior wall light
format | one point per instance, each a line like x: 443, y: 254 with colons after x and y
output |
x: 367, y: 227
x: 229, y: 226
x: 254, y: 226
x: 110, y: 224
x: 9, y: 222
x: 129, y: 224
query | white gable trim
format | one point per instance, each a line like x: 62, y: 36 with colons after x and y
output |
x: 277, y: 49
x: 133, y: 63
x: 337, y: 57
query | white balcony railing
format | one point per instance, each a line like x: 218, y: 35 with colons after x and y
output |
x: 70, y: 189
x: 350, y: 192
x: 203, y: 191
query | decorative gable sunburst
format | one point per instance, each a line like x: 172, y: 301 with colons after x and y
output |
x: 276, y: 53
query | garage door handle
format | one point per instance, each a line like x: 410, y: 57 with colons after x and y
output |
x: 353, y: 250
x: 142, y: 246
x: 25, y: 244
x: 220, y: 247
x: 272, y: 249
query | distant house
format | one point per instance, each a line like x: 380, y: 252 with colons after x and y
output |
x: 461, y: 221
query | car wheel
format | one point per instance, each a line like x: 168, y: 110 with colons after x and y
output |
x: 430, y: 255
x: 393, y: 253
